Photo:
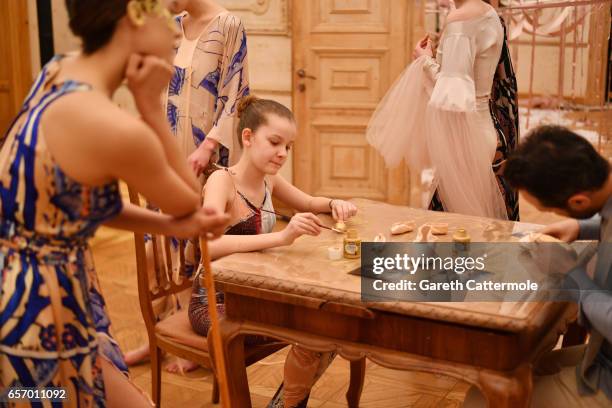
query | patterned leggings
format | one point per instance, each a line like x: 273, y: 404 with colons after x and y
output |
x: 302, y: 367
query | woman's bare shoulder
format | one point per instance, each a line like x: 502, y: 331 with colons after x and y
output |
x: 219, y: 184
x: 220, y: 180
x: 91, y: 124
x: 94, y: 115
x: 465, y: 13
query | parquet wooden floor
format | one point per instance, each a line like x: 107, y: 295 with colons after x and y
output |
x: 384, y: 388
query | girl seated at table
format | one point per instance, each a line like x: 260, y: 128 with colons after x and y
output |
x: 244, y: 191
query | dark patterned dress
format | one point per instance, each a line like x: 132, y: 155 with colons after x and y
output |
x: 258, y: 220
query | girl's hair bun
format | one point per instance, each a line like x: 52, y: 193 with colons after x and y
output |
x: 253, y: 112
x: 245, y: 102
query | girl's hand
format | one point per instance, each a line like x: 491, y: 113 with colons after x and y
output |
x: 203, y: 222
x: 147, y: 76
x: 300, y: 224
x: 423, y: 47
x: 343, y: 210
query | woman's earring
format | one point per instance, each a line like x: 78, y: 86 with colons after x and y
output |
x: 136, y: 13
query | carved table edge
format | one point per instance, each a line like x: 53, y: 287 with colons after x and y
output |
x: 416, y: 309
x: 391, y: 359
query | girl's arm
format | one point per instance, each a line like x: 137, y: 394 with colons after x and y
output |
x: 232, y: 244
x: 219, y: 191
x: 296, y: 198
x: 300, y: 224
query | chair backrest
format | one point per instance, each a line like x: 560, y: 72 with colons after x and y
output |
x: 161, y: 268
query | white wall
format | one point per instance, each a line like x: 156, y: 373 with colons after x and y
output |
x: 269, y: 41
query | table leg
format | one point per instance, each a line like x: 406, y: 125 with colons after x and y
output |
x: 353, y: 394
x: 507, y: 390
x: 233, y: 354
x: 574, y: 335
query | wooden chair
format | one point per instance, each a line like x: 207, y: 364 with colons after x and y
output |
x: 174, y: 334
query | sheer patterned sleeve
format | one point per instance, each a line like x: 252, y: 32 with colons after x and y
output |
x: 431, y: 68
x: 233, y: 85
x: 455, y: 89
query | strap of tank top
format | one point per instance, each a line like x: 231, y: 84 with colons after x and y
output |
x: 252, y: 206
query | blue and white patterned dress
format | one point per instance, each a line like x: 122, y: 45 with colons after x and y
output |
x: 53, y: 319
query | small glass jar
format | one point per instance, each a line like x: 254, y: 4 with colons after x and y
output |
x: 352, y: 245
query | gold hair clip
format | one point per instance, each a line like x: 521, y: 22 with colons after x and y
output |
x: 138, y: 9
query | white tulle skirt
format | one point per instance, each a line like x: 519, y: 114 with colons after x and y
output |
x: 443, y: 127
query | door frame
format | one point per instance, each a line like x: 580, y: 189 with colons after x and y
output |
x: 20, y: 65
x: 399, y: 181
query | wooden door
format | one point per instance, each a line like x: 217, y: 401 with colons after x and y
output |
x: 346, y: 54
x: 15, y: 69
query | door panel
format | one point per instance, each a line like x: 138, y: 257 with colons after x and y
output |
x: 346, y: 54
x: 15, y: 70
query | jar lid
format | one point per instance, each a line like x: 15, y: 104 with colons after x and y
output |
x: 461, y: 235
x: 352, y: 234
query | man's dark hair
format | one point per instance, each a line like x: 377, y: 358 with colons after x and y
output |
x: 553, y: 163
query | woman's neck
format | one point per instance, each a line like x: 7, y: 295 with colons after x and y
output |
x: 247, y: 174
x: 199, y: 14
x: 202, y: 9
x: 461, y: 3
x: 104, y: 70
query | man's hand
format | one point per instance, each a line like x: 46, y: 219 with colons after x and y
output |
x: 566, y: 231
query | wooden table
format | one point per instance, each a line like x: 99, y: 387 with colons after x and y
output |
x: 297, y: 295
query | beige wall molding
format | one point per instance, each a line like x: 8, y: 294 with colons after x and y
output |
x: 255, y: 6
x: 264, y: 17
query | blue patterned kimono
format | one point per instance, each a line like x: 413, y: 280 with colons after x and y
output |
x: 202, y: 98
